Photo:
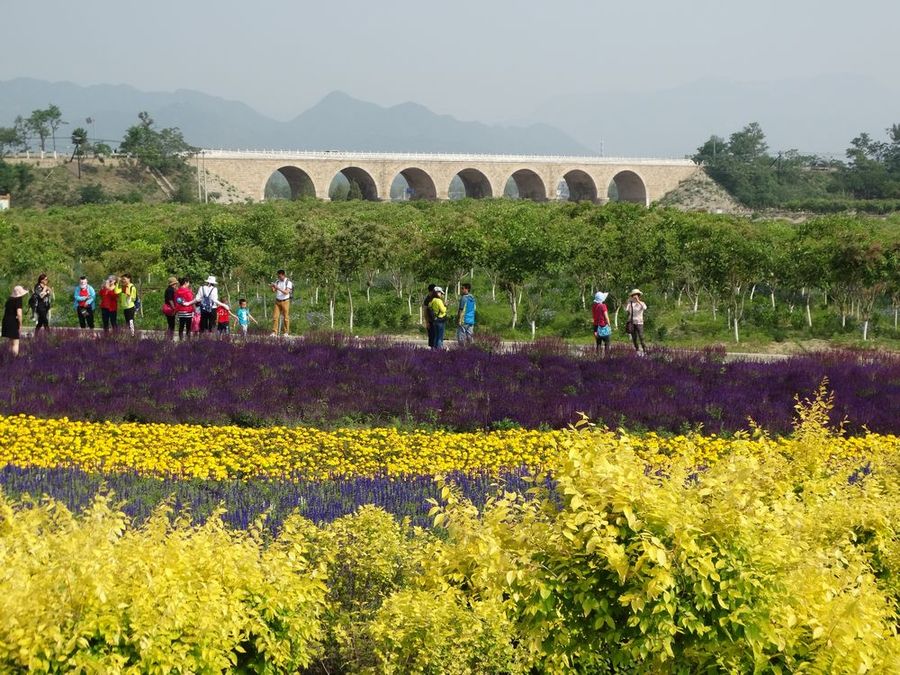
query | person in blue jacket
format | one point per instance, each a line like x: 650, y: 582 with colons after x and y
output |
x: 83, y: 302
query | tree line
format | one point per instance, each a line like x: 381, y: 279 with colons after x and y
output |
x: 520, y: 249
x: 756, y: 177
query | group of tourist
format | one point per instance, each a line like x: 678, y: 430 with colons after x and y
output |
x: 205, y: 312
x: 634, y: 322
x: 435, y: 315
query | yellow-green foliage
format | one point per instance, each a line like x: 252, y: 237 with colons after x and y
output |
x: 90, y: 594
x: 757, y: 564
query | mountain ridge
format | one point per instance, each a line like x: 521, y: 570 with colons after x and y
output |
x: 337, y: 122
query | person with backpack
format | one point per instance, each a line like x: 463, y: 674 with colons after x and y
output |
x: 208, y: 301
x: 83, y: 300
x: 127, y: 299
x: 465, y: 317
x: 40, y: 301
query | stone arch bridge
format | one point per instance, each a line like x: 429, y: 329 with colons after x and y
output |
x: 429, y: 176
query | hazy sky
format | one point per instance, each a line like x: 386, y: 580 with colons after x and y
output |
x: 491, y: 60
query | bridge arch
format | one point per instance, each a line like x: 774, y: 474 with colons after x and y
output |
x: 289, y: 182
x: 579, y: 186
x: 628, y: 186
x: 475, y: 185
x: 528, y: 185
x: 419, y: 183
x: 354, y: 174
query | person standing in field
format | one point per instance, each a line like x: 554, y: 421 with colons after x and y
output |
x: 169, y: 309
x: 284, y: 291
x: 635, y: 311
x: 83, y: 300
x: 40, y: 301
x: 127, y: 300
x: 109, y: 304
x: 244, y: 317
x: 208, y: 301
x: 465, y: 316
x: 428, y: 316
x: 602, y: 329
x: 12, y: 319
x: 184, y: 301
x: 439, y: 312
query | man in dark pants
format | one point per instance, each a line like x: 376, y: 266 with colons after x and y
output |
x: 426, y: 311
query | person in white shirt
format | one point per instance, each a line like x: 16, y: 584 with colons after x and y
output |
x: 634, y: 310
x: 208, y: 301
x: 284, y: 291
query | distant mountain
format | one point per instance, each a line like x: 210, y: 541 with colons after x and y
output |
x: 338, y: 122
x: 814, y: 115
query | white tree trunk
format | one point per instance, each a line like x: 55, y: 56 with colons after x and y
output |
x: 409, y: 303
x: 316, y: 297
x: 532, y: 331
x: 752, y: 291
x: 772, y: 296
x: 696, y: 303
x: 583, y: 299
x: 421, y: 315
x: 737, y: 335
x: 331, y: 310
x: 843, y: 319
x: 896, y: 311
x: 808, y: 313
x: 865, y: 330
x: 494, y: 291
x: 515, y: 308
x: 350, y: 297
x: 678, y: 301
x: 368, y: 294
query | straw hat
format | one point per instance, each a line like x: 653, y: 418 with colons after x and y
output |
x: 173, y: 280
x: 18, y: 292
x: 636, y: 291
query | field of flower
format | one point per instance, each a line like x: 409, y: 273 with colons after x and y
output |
x: 339, y: 384
x: 214, y: 507
x: 779, y: 558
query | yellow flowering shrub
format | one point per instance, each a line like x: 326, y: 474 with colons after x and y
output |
x: 195, y: 451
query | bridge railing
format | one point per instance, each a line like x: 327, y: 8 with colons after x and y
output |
x: 436, y: 157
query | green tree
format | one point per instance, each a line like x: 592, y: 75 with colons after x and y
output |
x: 44, y: 123
x: 9, y: 140
x: 163, y: 150
x: 81, y: 146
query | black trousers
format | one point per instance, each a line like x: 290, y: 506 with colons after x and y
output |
x: 86, y: 317
x: 43, y: 321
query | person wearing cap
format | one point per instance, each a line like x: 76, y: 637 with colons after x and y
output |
x: 284, y: 291
x: 169, y: 308
x: 12, y: 318
x: 208, y: 300
x: 83, y: 300
x: 602, y: 329
x: 439, y: 312
x: 109, y: 303
x: 635, y: 312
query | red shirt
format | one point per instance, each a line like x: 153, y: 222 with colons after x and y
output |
x: 108, y: 299
x: 221, y: 315
x: 599, y: 314
x: 186, y: 295
x: 83, y: 296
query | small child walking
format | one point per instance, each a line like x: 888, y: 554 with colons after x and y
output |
x: 244, y: 317
x: 223, y: 318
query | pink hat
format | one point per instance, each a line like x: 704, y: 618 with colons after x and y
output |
x: 18, y: 292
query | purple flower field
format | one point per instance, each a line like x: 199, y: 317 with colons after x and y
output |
x: 336, y: 383
x: 245, y: 501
